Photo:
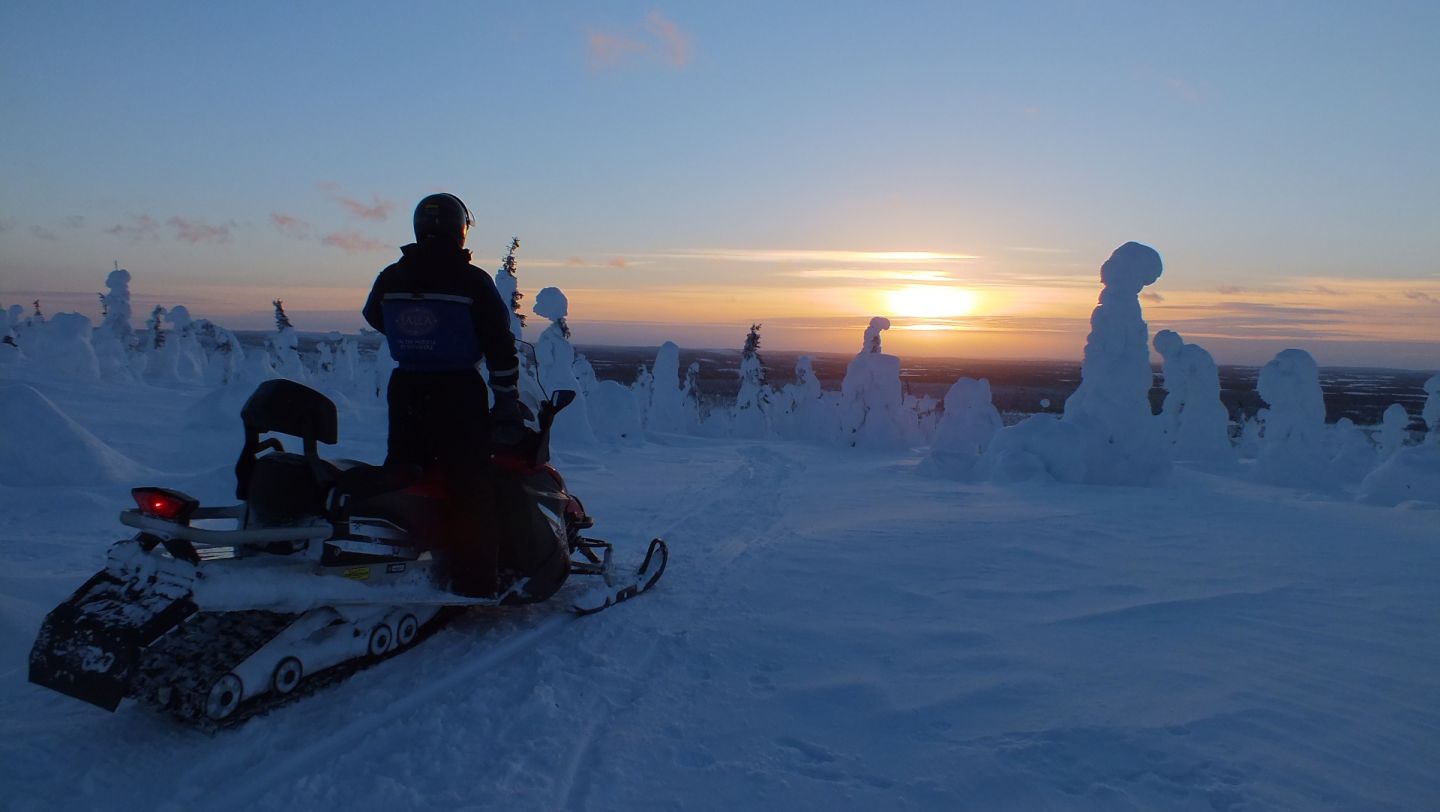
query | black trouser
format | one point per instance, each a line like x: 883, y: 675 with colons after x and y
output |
x: 441, y: 422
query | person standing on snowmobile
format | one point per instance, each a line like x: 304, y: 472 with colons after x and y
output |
x: 441, y: 316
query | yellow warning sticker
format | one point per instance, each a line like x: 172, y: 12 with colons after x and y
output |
x: 357, y: 573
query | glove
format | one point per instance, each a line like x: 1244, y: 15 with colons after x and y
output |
x: 507, y: 421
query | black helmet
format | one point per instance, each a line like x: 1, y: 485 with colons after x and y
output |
x: 442, y: 215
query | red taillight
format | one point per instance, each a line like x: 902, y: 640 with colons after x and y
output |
x: 163, y: 503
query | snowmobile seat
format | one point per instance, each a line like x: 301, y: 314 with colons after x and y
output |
x: 284, y: 488
x: 362, y: 481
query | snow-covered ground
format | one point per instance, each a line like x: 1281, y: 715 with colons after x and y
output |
x: 838, y: 629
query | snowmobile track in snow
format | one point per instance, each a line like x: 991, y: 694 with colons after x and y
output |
x: 252, y: 785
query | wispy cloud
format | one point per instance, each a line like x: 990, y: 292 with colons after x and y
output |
x: 617, y: 262
x: 195, y: 232
x: 1033, y: 249
x: 1421, y: 296
x: 801, y: 255
x: 43, y: 233
x: 1152, y: 296
x: 74, y: 221
x: 290, y: 226
x: 141, y: 228
x: 353, y: 243
x: 658, y: 38
x: 1185, y: 91
x: 378, y: 209
x: 605, y: 50
x: 871, y: 275
x: 675, y: 44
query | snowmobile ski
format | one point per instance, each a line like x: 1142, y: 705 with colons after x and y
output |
x: 603, y: 597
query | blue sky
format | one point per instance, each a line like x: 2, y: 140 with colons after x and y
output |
x: 683, y: 169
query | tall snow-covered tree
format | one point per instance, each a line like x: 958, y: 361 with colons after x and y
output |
x: 752, y: 350
x: 282, y: 321
x: 155, y: 323
x: 511, y: 290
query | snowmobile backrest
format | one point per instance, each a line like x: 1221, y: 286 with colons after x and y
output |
x: 290, y: 408
x: 286, y: 407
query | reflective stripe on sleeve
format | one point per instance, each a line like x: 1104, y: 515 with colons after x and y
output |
x: 434, y: 297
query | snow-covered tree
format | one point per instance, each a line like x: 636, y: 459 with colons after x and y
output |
x: 156, y: 325
x: 669, y: 409
x: 1393, y: 428
x: 1431, y: 413
x: 1293, y: 449
x: 61, y: 347
x: 969, y: 424
x: 1107, y: 434
x: 1194, y: 421
x: 282, y: 321
x: 751, y: 418
x: 872, y: 400
x: 285, y: 347
x: 555, y: 359
x: 116, y: 307
x: 507, y: 281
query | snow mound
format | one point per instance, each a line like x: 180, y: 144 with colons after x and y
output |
x: 1411, y: 474
x: 218, y: 409
x: 52, y: 449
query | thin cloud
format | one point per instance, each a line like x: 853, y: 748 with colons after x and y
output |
x: 74, y: 221
x: 142, y: 228
x: 1152, y: 296
x: 1033, y: 249
x: 658, y: 38
x: 1186, y: 92
x: 44, y: 233
x: 353, y: 242
x: 617, y: 262
x: 605, y: 50
x: 675, y: 44
x: 1421, y: 296
x: 1230, y: 290
x: 195, y: 232
x: 574, y: 262
x: 814, y: 255
x: 290, y: 226
x: 378, y: 210
x: 871, y: 275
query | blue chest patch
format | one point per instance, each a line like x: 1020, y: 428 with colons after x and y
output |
x: 430, y: 333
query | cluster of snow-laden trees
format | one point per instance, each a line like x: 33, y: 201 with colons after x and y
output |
x: 1106, y: 435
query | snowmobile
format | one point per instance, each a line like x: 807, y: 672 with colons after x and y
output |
x: 216, y: 613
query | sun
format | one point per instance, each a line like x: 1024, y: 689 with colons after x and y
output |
x: 930, y: 301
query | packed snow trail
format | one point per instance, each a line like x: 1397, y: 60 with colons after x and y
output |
x: 835, y: 631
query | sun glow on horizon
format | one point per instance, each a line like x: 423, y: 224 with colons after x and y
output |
x: 931, y: 301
